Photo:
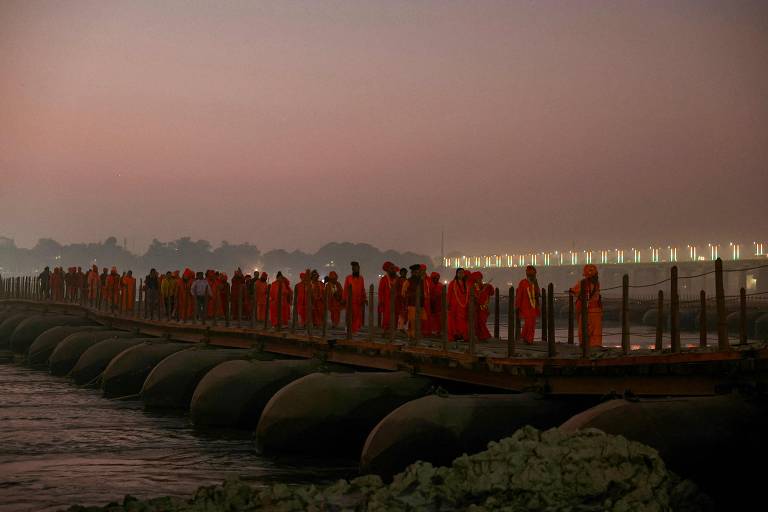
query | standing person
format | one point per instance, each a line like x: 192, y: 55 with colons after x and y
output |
x: 238, y: 295
x: 280, y: 283
x: 457, y: 307
x: 129, y: 292
x: 44, y: 280
x: 185, y: 302
x: 69, y: 284
x: 301, y: 297
x: 260, y: 290
x: 426, y: 321
x: 169, y: 291
x: 152, y: 287
x: 386, y: 283
x: 103, y: 283
x: 401, y: 309
x: 357, y: 300
x: 435, y: 304
x: 483, y: 294
x: 93, y: 284
x: 112, y: 289
x: 247, y: 295
x: 201, y: 291
x: 527, y: 303
x: 57, y: 284
x: 335, y: 293
x: 80, y: 285
x: 594, y: 305
x: 317, y: 289
x: 410, y: 295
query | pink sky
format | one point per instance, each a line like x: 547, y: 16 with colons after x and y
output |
x: 515, y: 125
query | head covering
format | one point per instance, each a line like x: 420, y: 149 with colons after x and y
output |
x: 422, y: 266
x: 388, y: 265
x: 188, y: 274
x: 264, y: 275
x: 477, y: 276
x: 302, y: 275
x: 415, y: 266
x: 333, y: 275
x: 175, y: 273
x: 590, y: 270
x: 114, y: 269
x: 530, y: 270
x: 434, y: 275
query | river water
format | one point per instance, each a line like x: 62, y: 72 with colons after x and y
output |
x: 61, y: 445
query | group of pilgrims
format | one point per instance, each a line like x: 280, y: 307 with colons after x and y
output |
x: 189, y: 296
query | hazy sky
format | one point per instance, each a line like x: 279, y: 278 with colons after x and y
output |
x: 514, y: 124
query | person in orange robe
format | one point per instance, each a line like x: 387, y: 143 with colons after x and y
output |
x: 591, y: 285
x: 212, y: 278
x: 301, y: 297
x: 527, y: 300
x: 93, y: 284
x: 247, y: 295
x: 185, y: 303
x: 237, y: 299
x: 426, y: 323
x: 483, y: 294
x: 129, y: 292
x: 386, y: 283
x: 280, y: 283
x: 435, y: 304
x: 224, y: 294
x: 113, y: 289
x: 57, y: 284
x: 356, y: 302
x: 334, y: 294
x: 457, y: 307
x: 401, y: 308
x: 318, y: 298
x: 260, y: 291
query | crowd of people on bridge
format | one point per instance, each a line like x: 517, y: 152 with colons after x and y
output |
x: 412, y: 301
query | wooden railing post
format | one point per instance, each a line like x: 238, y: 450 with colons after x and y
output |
x: 544, y: 315
x: 703, y: 319
x: 240, y: 298
x: 584, y: 299
x: 295, y: 310
x: 348, y: 314
x: 570, y: 318
x: 496, y: 319
x: 660, y: 322
x: 551, y: 348
x: 674, y: 311
x: 444, y: 318
x: 472, y: 320
x: 417, y: 319
x: 511, y: 314
x: 722, y: 323
x: 625, y: 314
x: 371, y: 316
x: 266, y: 307
x: 742, y: 316
x: 392, y: 311
x: 309, y: 314
x: 279, y: 306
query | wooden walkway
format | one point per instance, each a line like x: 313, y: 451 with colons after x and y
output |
x: 692, y: 371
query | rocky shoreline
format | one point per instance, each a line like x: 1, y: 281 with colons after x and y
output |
x: 550, y: 470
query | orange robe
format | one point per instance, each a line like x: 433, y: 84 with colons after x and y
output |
x: 435, y: 308
x: 386, y: 284
x: 335, y: 305
x: 129, y: 293
x: 318, y: 300
x: 260, y: 290
x: 527, y: 304
x: 185, y: 303
x: 356, y: 301
x: 238, y: 288
x: 287, y: 295
x: 457, y: 310
x: 594, y: 312
x: 483, y: 296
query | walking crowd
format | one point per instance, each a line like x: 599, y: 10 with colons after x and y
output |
x: 189, y: 296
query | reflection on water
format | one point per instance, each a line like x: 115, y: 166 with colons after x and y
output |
x: 61, y: 445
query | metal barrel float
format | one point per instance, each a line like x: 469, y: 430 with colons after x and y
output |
x: 439, y: 428
x: 125, y: 374
x: 323, y: 413
x: 96, y: 358
x: 66, y: 353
